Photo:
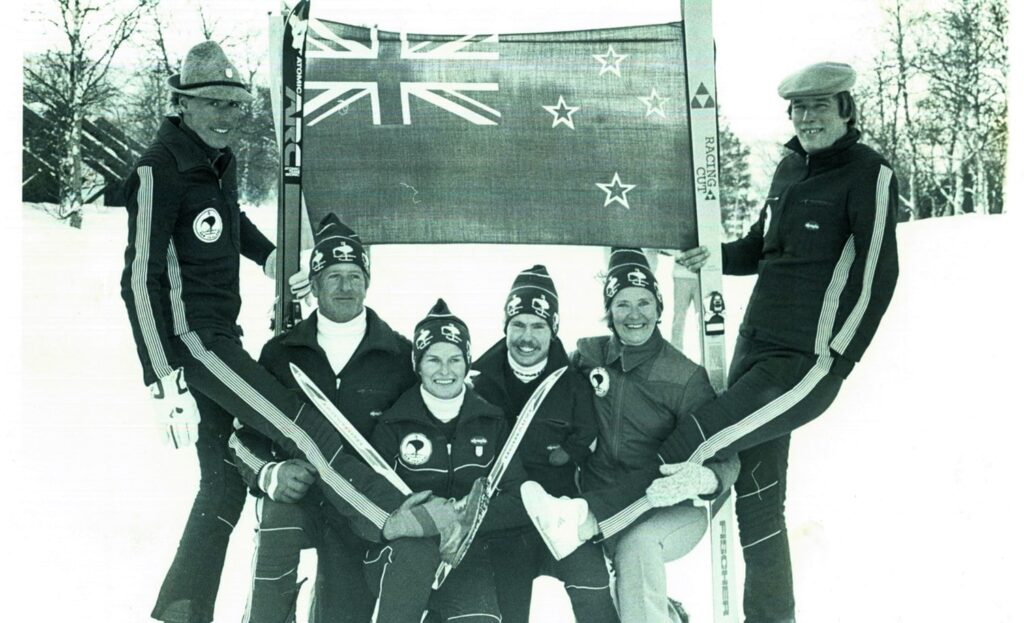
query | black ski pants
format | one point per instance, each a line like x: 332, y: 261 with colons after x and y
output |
x: 190, y: 587
x: 340, y: 594
x: 517, y: 559
x: 401, y: 573
x: 227, y: 384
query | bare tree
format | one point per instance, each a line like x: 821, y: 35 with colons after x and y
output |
x: 73, y: 82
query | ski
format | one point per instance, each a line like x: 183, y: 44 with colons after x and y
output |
x: 515, y: 436
x: 702, y: 101
x: 347, y: 430
x: 287, y: 312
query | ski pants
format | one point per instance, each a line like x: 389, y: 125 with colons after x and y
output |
x: 517, y: 559
x: 227, y: 384
x: 640, y: 553
x: 190, y: 587
x: 340, y: 594
x: 772, y: 391
x: 401, y: 574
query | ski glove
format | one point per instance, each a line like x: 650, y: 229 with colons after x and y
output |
x: 270, y: 265
x: 175, y: 410
x: 298, y: 283
x: 420, y: 515
x: 681, y: 481
x: 287, y: 481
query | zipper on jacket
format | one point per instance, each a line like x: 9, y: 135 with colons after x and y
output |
x: 451, y: 469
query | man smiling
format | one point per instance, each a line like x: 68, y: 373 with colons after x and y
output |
x: 556, y: 444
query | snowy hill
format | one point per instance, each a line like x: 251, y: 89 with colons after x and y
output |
x: 899, y: 506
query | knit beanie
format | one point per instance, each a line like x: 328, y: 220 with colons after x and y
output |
x: 533, y: 292
x: 627, y: 267
x: 440, y: 325
x: 336, y: 243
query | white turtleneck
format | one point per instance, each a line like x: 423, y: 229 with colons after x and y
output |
x: 444, y: 409
x: 527, y: 374
x: 340, y: 339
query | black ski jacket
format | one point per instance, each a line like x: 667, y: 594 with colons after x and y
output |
x: 824, y: 250
x: 378, y: 372
x: 185, y: 236
x: 414, y: 443
x: 565, y: 419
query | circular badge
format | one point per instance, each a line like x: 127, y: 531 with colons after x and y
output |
x: 600, y: 382
x: 415, y: 449
x: 208, y: 225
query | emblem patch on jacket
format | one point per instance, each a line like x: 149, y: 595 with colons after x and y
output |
x: 600, y: 382
x: 478, y: 445
x: 208, y: 225
x: 415, y: 449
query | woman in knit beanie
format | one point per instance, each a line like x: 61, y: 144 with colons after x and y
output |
x: 442, y: 436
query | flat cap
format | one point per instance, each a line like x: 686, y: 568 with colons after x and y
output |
x: 817, y: 80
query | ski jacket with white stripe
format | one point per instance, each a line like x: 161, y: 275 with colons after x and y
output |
x: 185, y: 236
x: 824, y: 250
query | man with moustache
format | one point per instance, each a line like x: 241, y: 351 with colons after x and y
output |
x: 556, y: 444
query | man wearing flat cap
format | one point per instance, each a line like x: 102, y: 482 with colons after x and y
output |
x: 824, y: 252
x: 180, y: 285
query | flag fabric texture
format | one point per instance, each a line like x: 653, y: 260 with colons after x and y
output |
x: 551, y: 138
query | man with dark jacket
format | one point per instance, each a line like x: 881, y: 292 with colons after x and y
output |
x: 362, y: 365
x: 180, y: 285
x: 824, y: 251
x: 555, y: 446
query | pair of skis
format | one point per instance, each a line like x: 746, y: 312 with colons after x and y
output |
x: 379, y: 465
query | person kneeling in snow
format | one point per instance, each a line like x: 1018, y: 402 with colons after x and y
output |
x: 442, y: 437
x: 642, y: 388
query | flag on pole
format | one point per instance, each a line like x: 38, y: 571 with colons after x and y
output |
x: 551, y: 138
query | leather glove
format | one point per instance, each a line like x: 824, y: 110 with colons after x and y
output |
x: 681, y: 481
x: 175, y: 410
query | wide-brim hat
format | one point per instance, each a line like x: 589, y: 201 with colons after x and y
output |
x: 208, y: 73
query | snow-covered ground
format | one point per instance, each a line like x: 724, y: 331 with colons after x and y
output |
x: 901, y: 499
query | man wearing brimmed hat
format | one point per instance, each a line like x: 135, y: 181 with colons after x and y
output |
x: 824, y: 251
x: 180, y: 284
x: 554, y: 447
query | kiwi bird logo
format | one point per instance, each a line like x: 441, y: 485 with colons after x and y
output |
x: 208, y: 226
x: 600, y: 382
x: 416, y: 449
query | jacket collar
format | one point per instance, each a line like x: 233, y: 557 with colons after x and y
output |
x: 634, y: 356
x: 828, y: 154
x: 410, y: 408
x: 379, y: 336
x: 189, y: 151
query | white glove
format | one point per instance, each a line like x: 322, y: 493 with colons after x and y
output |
x: 298, y: 283
x: 175, y: 410
x: 682, y: 481
x: 270, y: 266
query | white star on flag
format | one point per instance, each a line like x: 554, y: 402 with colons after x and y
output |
x: 563, y: 113
x: 616, y: 191
x: 610, y: 61
x: 654, y: 103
